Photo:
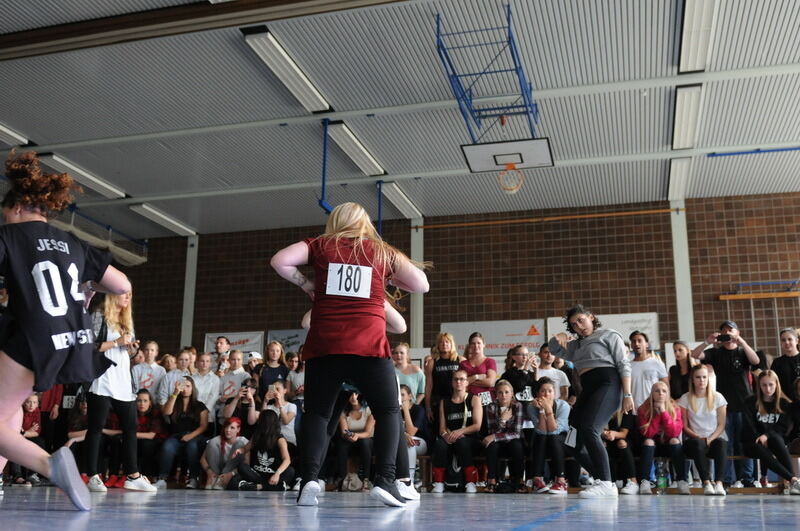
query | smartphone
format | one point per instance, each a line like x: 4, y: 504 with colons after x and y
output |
x: 271, y: 389
x: 722, y: 338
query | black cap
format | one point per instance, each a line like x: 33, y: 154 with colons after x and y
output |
x: 729, y: 324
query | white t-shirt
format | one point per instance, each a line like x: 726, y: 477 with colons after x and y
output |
x: 358, y: 425
x: 297, y: 379
x: 703, y: 422
x: 557, y: 375
x: 147, y: 376
x: 116, y: 382
x: 643, y: 375
x: 207, y: 391
x: 287, y: 430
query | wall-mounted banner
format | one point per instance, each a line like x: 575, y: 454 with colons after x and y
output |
x: 244, y: 341
x: 499, y: 336
x: 290, y: 339
x: 624, y: 323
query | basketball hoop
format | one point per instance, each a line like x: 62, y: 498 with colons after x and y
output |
x: 510, y: 179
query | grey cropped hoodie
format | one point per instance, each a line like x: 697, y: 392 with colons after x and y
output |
x: 603, y: 348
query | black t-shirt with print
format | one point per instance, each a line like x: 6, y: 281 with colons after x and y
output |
x: 732, y: 370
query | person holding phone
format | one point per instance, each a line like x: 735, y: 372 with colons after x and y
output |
x: 246, y: 405
x: 733, y: 360
x: 347, y: 339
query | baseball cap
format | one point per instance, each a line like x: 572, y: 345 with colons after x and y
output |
x: 729, y: 324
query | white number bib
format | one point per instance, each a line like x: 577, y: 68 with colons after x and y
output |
x: 486, y: 398
x: 525, y: 395
x: 349, y: 280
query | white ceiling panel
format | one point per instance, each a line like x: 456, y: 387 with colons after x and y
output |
x: 21, y: 15
x: 765, y: 173
x: 755, y: 33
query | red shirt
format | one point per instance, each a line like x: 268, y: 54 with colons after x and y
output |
x: 151, y: 422
x: 483, y: 368
x: 342, y: 324
x: 31, y: 418
x: 51, y: 397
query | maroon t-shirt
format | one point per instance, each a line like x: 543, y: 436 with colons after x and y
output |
x: 347, y: 316
x: 487, y: 364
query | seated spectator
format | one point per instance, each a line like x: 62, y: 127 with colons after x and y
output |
x: 266, y: 464
x: 521, y: 373
x: 169, y: 363
x: 150, y: 432
x: 218, y: 460
x: 408, y: 373
x: 679, y: 373
x: 618, y: 437
x: 415, y: 429
x: 704, y: 413
x: 231, y: 382
x: 77, y: 426
x: 733, y: 361
x: 504, y: 438
x: 31, y: 430
x: 460, y: 419
x: 550, y: 417
x: 646, y: 368
x: 187, y: 419
x: 661, y: 424
x: 207, y: 387
x: 245, y: 406
x: 148, y: 375
x: 275, y: 400
x: 766, y: 421
x: 546, y: 369
x: 255, y: 364
x: 787, y: 365
x: 172, y: 377
x: 356, y: 427
x: 439, y: 368
x: 296, y: 378
x: 50, y: 407
x: 275, y: 368
x: 481, y: 371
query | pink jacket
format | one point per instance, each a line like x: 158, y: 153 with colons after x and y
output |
x: 662, y: 423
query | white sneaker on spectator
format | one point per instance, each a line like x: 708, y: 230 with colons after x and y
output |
x: 297, y: 482
x: 96, y: 484
x: 719, y: 490
x: 140, y: 484
x: 600, y: 489
x: 683, y: 487
x: 308, y: 494
x: 191, y: 484
x: 709, y: 489
x: 470, y: 488
x: 529, y: 483
x: 795, y: 488
x: 630, y: 489
x: 696, y: 484
x: 438, y: 488
x: 645, y: 487
x: 321, y: 483
x: 161, y: 484
x: 217, y: 484
x: 406, y: 491
x: 737, y: 485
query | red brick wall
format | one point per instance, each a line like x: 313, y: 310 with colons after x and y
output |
x: 612, y: 264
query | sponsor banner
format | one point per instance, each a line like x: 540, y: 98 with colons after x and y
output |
x: 244, y: 341
x: 499, y: 336
x: 290, y: 339
x: 624, y: 323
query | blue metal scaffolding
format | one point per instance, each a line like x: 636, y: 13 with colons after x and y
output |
x: 499, y: 48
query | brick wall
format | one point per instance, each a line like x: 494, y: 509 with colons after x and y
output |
x: 612, y: 264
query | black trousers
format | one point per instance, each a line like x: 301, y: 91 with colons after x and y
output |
x: 465, y: 448
x: 147, y: 454
x: 513, y: 449
x: 98, y: 407
x: 621, y: 460
x: 544, y: 446
x: 248, y: 473
x: 375, y: 379
x: 699, y: 452
x: 363, y: 447
x: 774, y: 455
x: 401, y: 463
x: 599, y: 399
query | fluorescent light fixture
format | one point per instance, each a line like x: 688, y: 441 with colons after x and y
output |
x: 165, y: 220
x: 679, y: 174
x: 687, y: 112
x: 698, y: 22
x: 84, y: 177
x: 11, y: 137
x: 344, y: 137
x: 399, y: 199
x: 273, y: 54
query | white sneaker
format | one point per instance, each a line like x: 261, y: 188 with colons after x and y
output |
x: 161, y: 484
x: 96, y: 484
x: 600, y: 489
x: 737, y: 485
x: 321, y: 483
x: 719, y: 490
x: 406, y: 491
x: 296, y: 487
x: 645, y: 487
x: 438, y: 488
x: 795, y: 488
x: 630, y: 488
x: 192, y: 483
x: 471, y: 488
x: 529, y: 484
x: 141, y: 483
x: 683, y: 487
x: 709, y: 489
x: 217, y: 484
x: 308, y: 494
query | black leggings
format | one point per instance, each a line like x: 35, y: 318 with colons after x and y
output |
x: 147, y: 454
x: 514, y: 450
x: 248, y: 473
x: 699, y: 452
x: 375, y: 378
x: 599, y: 399
x: 343, y: 450
x: 544, y: 446
x: 98, y: 412
x: 464, y: 448
x: 774, y: 455
x: 402, y: 465
x: 621, y: 460
x: 673, y: 451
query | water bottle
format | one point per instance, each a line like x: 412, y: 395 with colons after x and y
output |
x: 662, y: 481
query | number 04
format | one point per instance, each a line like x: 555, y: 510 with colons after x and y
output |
x: 57, y: 307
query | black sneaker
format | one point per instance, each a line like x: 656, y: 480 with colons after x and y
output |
x: 247, y: 485
x: 387, y: 493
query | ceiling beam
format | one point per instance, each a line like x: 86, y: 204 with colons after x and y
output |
x: 545, y: 94
x: 457, y: 172
x: 163, y: 22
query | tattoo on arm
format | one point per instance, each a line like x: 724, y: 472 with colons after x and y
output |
x: 299, y: 279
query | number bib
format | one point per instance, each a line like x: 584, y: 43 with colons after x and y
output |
x: 486, y: 397
x: 525, y: 395
x: 349, y: 280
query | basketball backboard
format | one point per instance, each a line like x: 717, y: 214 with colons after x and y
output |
x: 496, y: 156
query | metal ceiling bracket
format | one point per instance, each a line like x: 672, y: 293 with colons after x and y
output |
x: 323, y: 202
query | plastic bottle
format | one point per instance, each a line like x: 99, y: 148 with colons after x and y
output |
x: 662, y: 481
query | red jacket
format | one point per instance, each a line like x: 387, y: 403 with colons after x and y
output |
x: 668, y: 427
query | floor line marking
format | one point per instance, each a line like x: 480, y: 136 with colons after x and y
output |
x: 546, y: 519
